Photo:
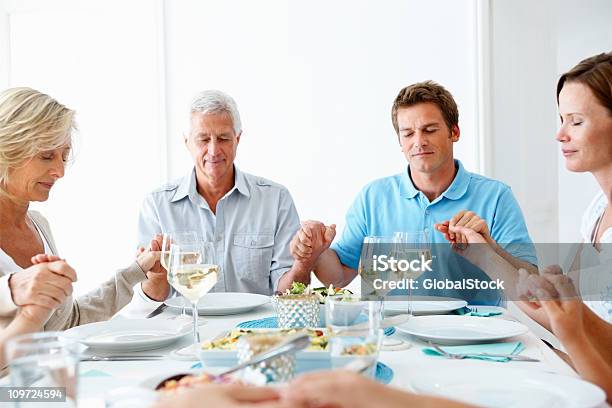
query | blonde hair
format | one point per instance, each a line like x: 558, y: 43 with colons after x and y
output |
x: 30, y: 122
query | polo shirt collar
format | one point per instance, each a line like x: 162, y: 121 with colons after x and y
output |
x: 455, y: 191
x: 407, y: 188
x: 459, y: 185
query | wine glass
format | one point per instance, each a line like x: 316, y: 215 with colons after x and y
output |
x: 181, y: 237
x: 410, y: 246
x: 370, y: 270
x: 193, y: 271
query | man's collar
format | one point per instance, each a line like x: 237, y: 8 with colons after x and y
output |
x: 407, y: 188
x: 188, y: 186
x: 240, y: 183
x: 459, y: 185
x: 454, y: 192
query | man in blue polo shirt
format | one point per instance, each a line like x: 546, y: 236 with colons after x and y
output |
x: 434, y: 192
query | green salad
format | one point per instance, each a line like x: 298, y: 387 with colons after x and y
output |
x: 298, y: 288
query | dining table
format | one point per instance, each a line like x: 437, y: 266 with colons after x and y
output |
x: 98, y: 378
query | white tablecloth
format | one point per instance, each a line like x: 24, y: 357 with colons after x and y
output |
x: 97, y: 378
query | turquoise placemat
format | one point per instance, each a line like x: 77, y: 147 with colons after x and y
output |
x: 272, y: 323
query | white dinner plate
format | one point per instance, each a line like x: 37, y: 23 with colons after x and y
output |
x: 222, y: 303
x: 508, y: 387
x: 424, y: 306
x: 119, y: 335
x: 461, y: 329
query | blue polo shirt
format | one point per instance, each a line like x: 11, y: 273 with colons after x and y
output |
x: 393, y: 204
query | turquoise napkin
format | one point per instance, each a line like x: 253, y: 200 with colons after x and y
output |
x: 492, y: 348
x: 466, y: 311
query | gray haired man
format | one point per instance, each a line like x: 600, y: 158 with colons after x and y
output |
x: 250, y: 219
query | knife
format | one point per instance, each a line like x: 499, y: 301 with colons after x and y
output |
x: 157, y: 311
x: 122, y: 358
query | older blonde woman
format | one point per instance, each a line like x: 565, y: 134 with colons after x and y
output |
x: 35, y: 141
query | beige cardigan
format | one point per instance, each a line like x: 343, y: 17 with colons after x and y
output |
x: 99, y: 304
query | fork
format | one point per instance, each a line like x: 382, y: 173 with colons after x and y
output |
x: 458, y: 356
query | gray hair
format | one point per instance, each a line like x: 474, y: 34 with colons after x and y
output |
x: 213, y: 101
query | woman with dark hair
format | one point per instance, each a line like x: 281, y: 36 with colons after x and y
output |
x: 579, y: 318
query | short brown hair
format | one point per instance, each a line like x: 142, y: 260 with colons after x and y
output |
x: 594, y: 72
x: 427, y: 91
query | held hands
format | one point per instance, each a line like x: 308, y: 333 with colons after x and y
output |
x: 553, y: 297
x: 42, y: 287
x: 312, y: 239
x: 456, y: 229
x: 149, y: 259
x: 156, y: 286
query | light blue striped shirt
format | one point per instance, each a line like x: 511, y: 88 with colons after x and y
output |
x: 252, y: 228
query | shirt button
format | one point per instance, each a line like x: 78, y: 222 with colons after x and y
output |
x: 253, y: 242
x: 426, y: 212
x: 426, y: 230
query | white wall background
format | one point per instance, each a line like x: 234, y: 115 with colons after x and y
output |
x: 533, y: 43
x: 314, y: 83
x: 523, y: 65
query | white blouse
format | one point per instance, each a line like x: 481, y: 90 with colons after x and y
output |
x: 8, y: 267
x: 596, y: 284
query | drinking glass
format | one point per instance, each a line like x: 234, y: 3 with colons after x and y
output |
x: 193, y: 271
x: 180, y: 237
x: 409, y: 246
x: 45, y: 360
x: 348, y: 338
x: 374, y: 246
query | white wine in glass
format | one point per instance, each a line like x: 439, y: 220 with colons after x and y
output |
x: 193, y: 271
x: 180, y: 237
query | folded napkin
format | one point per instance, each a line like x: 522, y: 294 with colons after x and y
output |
x: 272, y: 323
x: 466, y: 311
x: 492, y: 348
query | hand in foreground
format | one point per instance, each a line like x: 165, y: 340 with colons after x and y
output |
x: 226, y: 396
x: 311, y: 240
x: 340, y: 389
